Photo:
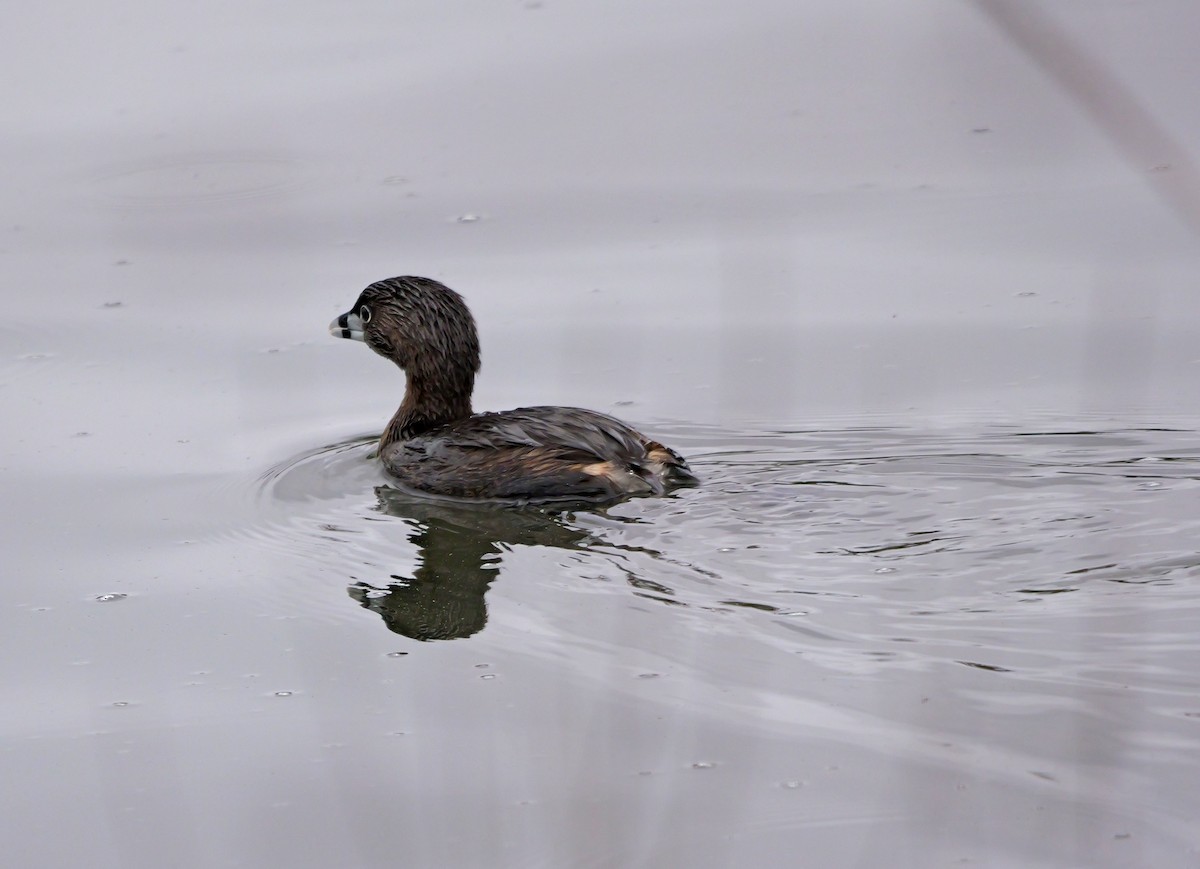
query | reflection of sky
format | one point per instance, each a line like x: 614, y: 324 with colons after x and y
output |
x: 720, y: 214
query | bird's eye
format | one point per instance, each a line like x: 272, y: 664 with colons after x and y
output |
x: 364, y: 314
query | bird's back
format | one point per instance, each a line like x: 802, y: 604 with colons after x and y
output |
x: 537, y: 454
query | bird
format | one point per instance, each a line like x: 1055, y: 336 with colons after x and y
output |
x: 435, y: 444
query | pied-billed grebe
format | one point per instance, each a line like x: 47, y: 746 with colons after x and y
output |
x: 435, y: 443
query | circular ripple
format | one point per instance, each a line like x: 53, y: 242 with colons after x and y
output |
x: 328, y: 473
x: 813, y: 537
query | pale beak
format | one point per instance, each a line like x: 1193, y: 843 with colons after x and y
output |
x: 348, y: 325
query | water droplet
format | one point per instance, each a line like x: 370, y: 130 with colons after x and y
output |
x: 703, y: 764
x: 116, y: 595
x: 468, y: 218
x: 283, y: 693
x: 396, y: 654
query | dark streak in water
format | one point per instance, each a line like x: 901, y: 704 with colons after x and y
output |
x: 990, y: 667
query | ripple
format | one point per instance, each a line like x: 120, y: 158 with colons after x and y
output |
x: 973, y: 546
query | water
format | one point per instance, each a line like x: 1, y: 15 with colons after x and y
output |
x: 926, y: 331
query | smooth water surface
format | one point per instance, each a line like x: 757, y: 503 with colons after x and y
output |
x: 913, y: 287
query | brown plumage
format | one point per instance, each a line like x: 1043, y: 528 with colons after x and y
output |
x: 435, y: 444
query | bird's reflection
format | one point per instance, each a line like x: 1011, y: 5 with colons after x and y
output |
x: 459, y: 551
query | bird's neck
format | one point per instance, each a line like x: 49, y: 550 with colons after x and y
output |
x: 425, y: 406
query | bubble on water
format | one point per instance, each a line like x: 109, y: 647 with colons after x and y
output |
x: 791, y: 785
x: 120, y: 704
x: 1027, y: 294
x: 1152, y: 484
x: 115, y: 304
x: 482, y: 666
x: 396, y: 654
x: 115, y: 595
x: 468, y: 218
x: 393, y: 180
x: 885, y: 570
x: 376, y: 593
x: 82, y: 434
x: 488, y: 676
x: 704, y: 764
x: 283, y: 693
x: 648, y: 675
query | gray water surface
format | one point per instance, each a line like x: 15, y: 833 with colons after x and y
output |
x: 912, y: 286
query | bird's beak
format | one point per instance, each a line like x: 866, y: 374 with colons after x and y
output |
x: 348, y: 325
